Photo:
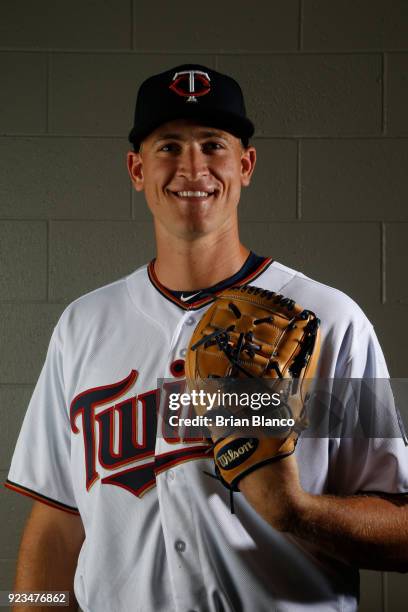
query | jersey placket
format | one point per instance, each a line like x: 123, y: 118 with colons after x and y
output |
x: 180, y: 533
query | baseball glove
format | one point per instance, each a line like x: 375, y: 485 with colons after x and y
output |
x: 251, y: 333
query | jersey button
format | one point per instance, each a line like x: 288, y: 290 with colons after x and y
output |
x: 180, y: 546
x: 190, y: 321
x: 183, y: 352
x: 177, y: 368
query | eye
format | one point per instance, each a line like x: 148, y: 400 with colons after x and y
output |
x: 169, y: 147
x: 212, y: 146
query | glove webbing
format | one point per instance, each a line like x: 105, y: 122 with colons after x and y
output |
x: 245, y: 343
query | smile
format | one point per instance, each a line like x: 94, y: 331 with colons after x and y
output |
x: 193, y: 194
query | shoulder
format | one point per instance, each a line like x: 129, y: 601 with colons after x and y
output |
x: 349, y: 344
x: 103, y: 306
x: 330, y: 304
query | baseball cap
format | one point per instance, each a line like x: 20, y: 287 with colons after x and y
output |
x: 190, y: 91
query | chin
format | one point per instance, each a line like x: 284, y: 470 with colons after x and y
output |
x: 193, y: 231
x: 202, y: 222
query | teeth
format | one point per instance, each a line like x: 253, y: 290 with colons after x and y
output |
x: 192, y: 194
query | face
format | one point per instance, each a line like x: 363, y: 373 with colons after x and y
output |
x: 192, y: 177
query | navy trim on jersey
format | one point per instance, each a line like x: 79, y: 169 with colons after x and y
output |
x: 13, y: 486
x: 253, y: 267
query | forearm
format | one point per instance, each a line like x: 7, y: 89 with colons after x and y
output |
x: 44, y: 566
x: 47, y: 561
x: 366, y: 531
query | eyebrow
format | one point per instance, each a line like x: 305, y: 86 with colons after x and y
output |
x: 178, y: 136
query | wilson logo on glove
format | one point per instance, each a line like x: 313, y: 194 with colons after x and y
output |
x: 236, y: 452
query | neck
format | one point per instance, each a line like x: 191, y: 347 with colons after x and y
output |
x: 186, y: 265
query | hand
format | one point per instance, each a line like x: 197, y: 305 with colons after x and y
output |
x: 275, y: 492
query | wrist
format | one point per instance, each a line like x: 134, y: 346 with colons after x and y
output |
x: 298, y: 507
x: 275, y: 492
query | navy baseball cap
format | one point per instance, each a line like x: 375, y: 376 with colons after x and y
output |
x: 190, y: 91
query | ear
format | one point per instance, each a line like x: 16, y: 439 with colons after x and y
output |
x: 135, y: 169
x: 248, y: 161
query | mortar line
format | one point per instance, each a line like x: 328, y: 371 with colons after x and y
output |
x: 298, y: 182
x: 276, y: 136
x: 47, y: 92
x: 17, y: 384
x: 149, y: 222
x: 18, y: 302
x: 47, y: 280
x: 384, y: 591
x: 72, y: 220
x: 384, y: 101
x: 132, y: 208
x: 383, y: 264
x: 132, y: 25
x: 204, y: 51
x: 300, y: 25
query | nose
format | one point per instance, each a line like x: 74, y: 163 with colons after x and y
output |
x: 192, y: 163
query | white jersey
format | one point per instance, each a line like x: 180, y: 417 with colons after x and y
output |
x: 160, y: 536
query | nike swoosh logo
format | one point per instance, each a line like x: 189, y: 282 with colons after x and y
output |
x: 188, y: 297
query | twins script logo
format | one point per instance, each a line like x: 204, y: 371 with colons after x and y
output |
x: 135, y: 419
x: 191, y: 84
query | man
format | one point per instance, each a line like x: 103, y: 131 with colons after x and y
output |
x: 152, y: 530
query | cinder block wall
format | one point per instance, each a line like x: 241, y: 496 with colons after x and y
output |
x: 326, y: 84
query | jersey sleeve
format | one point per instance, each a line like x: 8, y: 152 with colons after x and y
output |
x: 40, y: 466
x: 373, y: 460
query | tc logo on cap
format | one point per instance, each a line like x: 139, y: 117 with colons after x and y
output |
x: 191, y: 84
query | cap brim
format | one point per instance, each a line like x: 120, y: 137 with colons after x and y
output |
x: 239, y: 126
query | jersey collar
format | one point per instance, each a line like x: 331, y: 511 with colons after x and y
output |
x: 206, y: 299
